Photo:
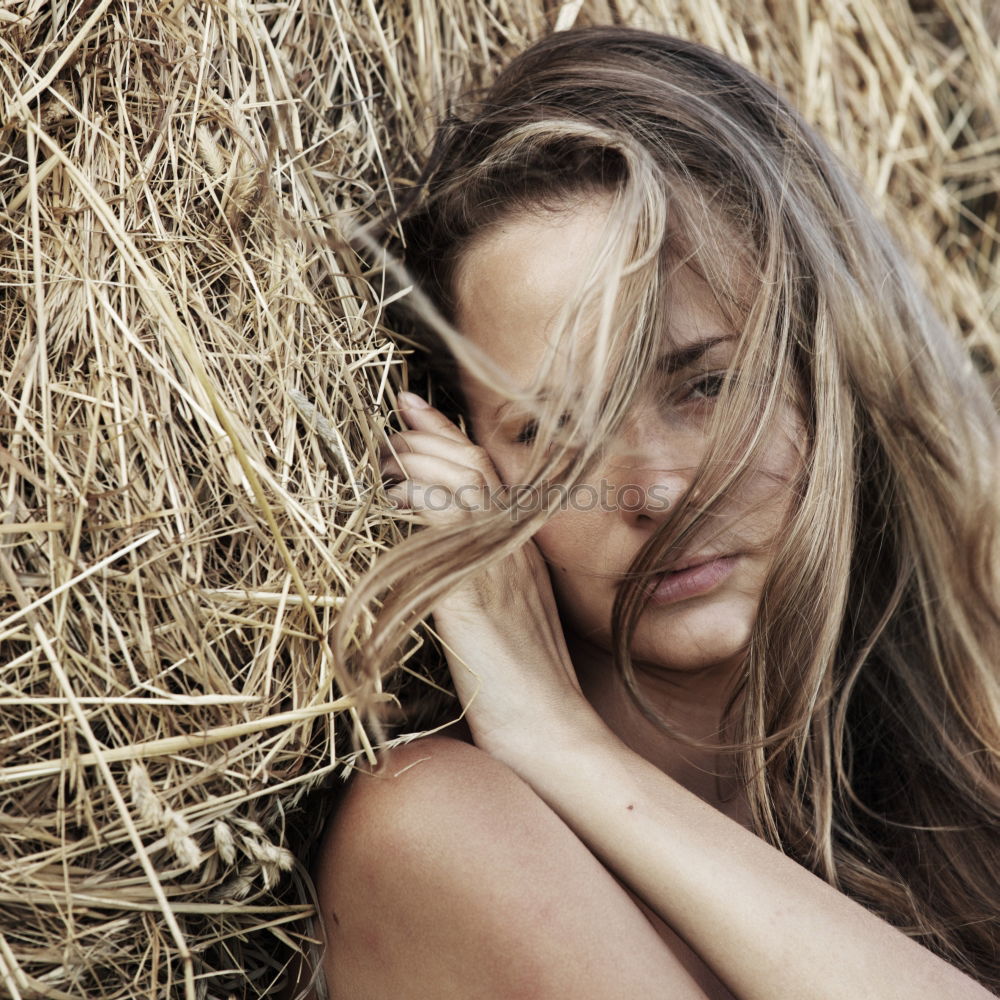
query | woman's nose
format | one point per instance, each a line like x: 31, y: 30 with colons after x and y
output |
x: 650, y: 464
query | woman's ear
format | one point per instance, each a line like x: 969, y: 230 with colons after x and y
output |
x: 451, y: 401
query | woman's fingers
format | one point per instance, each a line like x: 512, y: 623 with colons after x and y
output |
x: 462, y: 452
x: 420, y: 415
x: 429, y: 469
x: 441, y: 471
x: 500, y: 627
x: 446, y: 496
x: 440, y: 477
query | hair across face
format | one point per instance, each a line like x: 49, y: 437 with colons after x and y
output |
x: 697, y: 162
x: 614, y: 193
x: 510, y: 287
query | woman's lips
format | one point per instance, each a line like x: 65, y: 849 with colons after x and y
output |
x: 692, y: 581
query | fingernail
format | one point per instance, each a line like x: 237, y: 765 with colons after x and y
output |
x: 412, y: 400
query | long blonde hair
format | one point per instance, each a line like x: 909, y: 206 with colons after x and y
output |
x: 866, y: 724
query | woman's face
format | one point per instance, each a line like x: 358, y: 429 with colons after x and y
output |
x: 509, y: 288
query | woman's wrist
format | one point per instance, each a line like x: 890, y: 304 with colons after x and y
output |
x: 567, y: 741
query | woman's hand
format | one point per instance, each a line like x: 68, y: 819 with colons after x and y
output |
x: 503, y: 636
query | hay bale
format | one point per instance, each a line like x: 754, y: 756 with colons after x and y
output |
x: 196, y: 378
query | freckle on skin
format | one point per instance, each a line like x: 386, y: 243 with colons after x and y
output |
x: 630, y: 806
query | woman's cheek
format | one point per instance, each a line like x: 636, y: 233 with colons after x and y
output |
x: 575, y: 547
x: 549, y: 540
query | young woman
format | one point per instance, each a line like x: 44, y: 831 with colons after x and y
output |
x: 709, y: 534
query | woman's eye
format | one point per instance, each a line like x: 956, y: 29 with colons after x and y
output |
x: 707, y: 386
x: 529, y: 431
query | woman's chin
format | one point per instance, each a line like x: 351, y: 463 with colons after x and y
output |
x: 714, y: 635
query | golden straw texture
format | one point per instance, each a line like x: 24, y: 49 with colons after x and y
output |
x: 195, y: 380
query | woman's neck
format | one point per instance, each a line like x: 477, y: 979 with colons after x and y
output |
x: 691, y: 701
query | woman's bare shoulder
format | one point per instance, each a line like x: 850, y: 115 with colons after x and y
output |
x: 444, y: 874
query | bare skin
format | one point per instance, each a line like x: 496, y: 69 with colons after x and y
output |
x: 573, y: 852
x: 445, y: 875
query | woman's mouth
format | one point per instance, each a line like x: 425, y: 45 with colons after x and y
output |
x: 692, y: 580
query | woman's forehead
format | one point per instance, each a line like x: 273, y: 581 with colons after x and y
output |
x: 514, y: 282
x: 525, y: 268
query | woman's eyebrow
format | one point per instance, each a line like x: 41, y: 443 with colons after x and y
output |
x: 669, y: 362
x: 673, y: 361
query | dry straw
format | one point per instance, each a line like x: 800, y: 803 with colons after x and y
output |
x: 195, y: 378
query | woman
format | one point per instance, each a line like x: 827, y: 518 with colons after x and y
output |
x: 714, y: 560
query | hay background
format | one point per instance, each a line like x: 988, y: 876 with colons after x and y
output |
x: 195, y: 377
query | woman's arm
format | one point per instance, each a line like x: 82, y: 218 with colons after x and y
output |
x: 444, y: 875
x: 770, y: 929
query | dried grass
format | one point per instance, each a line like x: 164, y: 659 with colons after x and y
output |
x: 195, y: 379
